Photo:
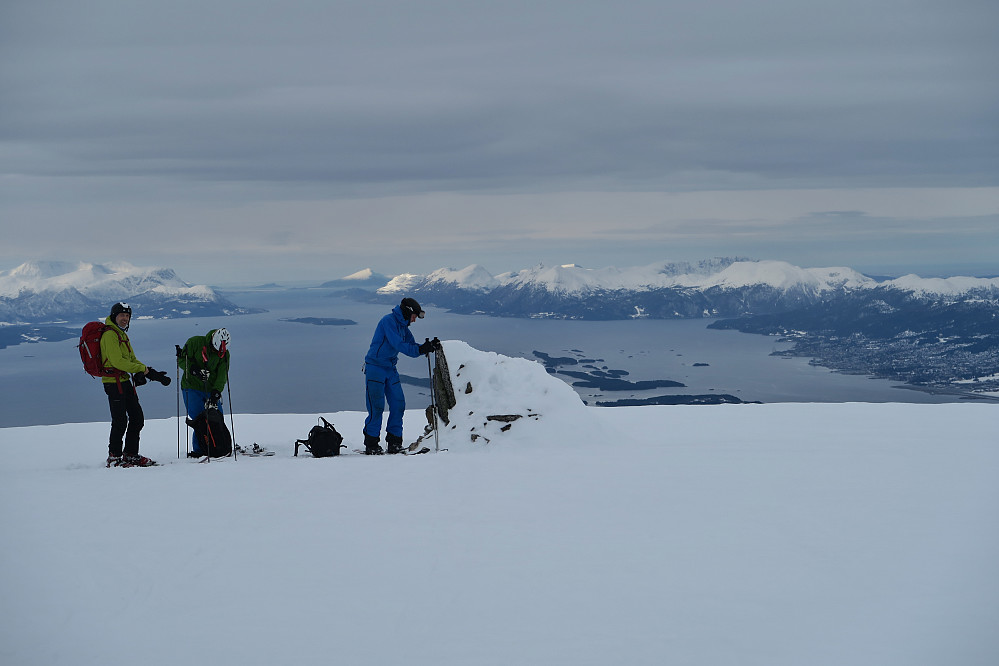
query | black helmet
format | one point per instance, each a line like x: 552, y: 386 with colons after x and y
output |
x: 117, y: 309
x: 410, y: 307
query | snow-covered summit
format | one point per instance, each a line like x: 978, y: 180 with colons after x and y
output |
x: 780, y: 275
x: 365, y: 274
x: 96, y: 280
x: 951, y: 286
x: 55, y: 290
x: 566, y: 278
x: 401, y: 283
x: 504, y: 401
x: 473, y: 277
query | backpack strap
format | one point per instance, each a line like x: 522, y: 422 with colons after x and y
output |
x: 112, y: 371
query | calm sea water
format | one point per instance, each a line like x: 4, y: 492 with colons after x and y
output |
x: 283, y: 367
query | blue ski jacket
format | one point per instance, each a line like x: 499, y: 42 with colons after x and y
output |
x: 392, y: 335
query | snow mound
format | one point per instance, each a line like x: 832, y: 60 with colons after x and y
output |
x: 503, y: 401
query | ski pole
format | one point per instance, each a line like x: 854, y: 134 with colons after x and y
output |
x: 178, y: 405
x: 187, y: 366
x: 232, y: 424
x: 210, y: 443
x: 433, y: 405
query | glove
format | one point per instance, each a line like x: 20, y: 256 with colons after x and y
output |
x: 216, y: 397
x: 159, y: 376
x: 180, y: 352
x: 202, y: 374
x: 426, y: 347
x: 139, y: 378
x: 437, y: 345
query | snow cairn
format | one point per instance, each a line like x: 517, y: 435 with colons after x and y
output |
x: 503, y: 400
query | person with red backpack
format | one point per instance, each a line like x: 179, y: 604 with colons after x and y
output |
x: 121, y: 369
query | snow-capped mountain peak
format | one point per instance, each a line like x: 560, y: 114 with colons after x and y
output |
x: 55, y: 290
x: 95, y: 280
x: 951, y: 286
x: 566, y: 278
x: 365, y: 274
x: 783, y: 276
x: 473, y: 277
x: 401, y: 283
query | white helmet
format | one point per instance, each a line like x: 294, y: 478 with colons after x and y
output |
x: 220, y: 340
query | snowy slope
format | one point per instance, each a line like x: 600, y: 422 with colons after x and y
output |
x: 779, y: 534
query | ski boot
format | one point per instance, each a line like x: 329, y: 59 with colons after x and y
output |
x: 394, y: 443
x: 136, y: 461
x: 371, y: 446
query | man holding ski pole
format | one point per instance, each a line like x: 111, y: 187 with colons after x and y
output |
x: 205, y: 362
x: 392, y: 336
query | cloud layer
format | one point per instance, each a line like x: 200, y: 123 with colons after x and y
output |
x: 272, y: 122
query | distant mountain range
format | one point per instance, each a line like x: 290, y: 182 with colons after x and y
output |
x: 39, y: 292
x: 932, y: 332
x: 722, y: 287
x: 941, y: 332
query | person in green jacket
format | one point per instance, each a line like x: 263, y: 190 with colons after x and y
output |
x: 126, y: 412
x: 205, y: 362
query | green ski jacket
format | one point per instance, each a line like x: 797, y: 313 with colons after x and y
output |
x: 198, y: 354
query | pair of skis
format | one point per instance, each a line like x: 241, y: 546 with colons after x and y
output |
x: 411, y: 450
x: 256, y: 451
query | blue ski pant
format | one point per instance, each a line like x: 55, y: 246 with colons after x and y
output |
x: 194, y: 402
x: 383, y: 385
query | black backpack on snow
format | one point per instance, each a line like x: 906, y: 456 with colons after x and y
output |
x: 323, y: 441
x: 212, y: 432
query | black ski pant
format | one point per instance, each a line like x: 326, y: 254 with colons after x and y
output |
x: 126, y: 419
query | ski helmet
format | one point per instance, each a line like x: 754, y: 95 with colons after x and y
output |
x: 410, y: 307
x: 220, y: 341
x: 117, y: 309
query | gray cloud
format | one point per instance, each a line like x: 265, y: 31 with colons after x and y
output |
x: 236, y: 116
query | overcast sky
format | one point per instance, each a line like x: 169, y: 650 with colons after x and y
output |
x: 253, y: 140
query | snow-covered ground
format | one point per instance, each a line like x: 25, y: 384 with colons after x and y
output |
x: 782, y: 534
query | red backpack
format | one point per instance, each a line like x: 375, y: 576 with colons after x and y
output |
x: 90, y: 351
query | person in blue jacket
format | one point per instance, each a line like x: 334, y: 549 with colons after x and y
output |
x: 392, y: 335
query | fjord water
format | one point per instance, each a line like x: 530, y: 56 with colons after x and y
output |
x: 280, y: 366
